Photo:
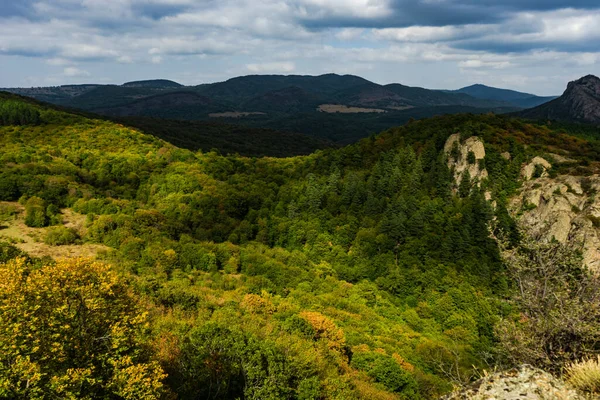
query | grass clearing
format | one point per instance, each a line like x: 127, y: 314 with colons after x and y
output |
x: 338, y: 108
x: 30, y: 240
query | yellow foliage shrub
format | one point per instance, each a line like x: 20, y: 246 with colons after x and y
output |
x: 257, y: 304
x: 72, y: 330
x: 325, y: 328
x: 403, y: 363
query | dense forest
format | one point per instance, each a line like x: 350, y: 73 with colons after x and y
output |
x: 364, y: 272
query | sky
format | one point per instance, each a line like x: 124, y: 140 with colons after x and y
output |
x: 535, y: 46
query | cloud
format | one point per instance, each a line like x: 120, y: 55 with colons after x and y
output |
x: 274, y: 67
x: 427, y: 42
x: 73, y: 72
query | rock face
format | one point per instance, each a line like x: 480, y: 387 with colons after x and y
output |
x: 564, y: 208
x: 465, y: 157
x: 529, y: 170
x: 518, y: 384
x: 579, y: 103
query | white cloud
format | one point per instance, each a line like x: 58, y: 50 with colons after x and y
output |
x: 475, y: 63
x: 273, y: 67
x: 58, y: 62
x: 214, y: 40
x: 73, y: 72
x: 349, y: 33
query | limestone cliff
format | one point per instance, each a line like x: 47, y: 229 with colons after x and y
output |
x: 466, y: 156
x: 564, y: 208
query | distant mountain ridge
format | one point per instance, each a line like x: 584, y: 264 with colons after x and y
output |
x: 579, y: 103
x: 238, y: 92
x: 518, y: 99
x: 154, y: 83
x: 293, y: 103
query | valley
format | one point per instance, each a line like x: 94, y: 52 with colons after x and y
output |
x: 396, y: 267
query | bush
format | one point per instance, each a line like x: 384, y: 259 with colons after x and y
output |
x: 387, y: 371
x: 538, y: 171
x: 35, y: 213
x: 60, y: 236
x: 585, y: 375
x: 7, y: 211
x: 471, y: 159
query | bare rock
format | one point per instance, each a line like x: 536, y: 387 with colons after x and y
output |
x: 461, y: 163
x: 520, y: 383
x: 528, y: 170
x: 558, y: 208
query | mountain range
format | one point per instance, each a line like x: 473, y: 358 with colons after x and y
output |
x: 337, y: 108
x: 261, y: 92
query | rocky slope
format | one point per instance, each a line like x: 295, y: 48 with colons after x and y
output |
x: 564, y: 208
x: 579, y: 103
x: 520, y: 383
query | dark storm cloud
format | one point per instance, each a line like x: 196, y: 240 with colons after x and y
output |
x: 504, y: 47
x: 28, y: 52
x: 19, y: 8
x: 405, y: 13
x: 157, y: 11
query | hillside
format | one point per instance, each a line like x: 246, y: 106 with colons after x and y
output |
x: 516, y: 99
x: 579, y: 103
x: 180, y: 103
x: 226, y: 138
x: 287, y: 103
x: 367, y: 272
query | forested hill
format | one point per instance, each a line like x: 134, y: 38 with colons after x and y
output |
x: 365, y: 272
x: 338, y: 108
x: 207, y: 136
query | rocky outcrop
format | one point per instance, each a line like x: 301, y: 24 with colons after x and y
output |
x: 579, y: 103
x: 564, y: 208
x: 538, y: 163
x: 465, y: 156
x: 521, y: 383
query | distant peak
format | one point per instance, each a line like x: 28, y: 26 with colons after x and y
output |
x: 478, y: 85
x: 591, y: 82
x: 160, y: 83
x: 589, y: 77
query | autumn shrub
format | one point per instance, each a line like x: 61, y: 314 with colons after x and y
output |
x: 325, y: 328
x: 585, y: 375
x: 72, y: 330
x: 60, y: 236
